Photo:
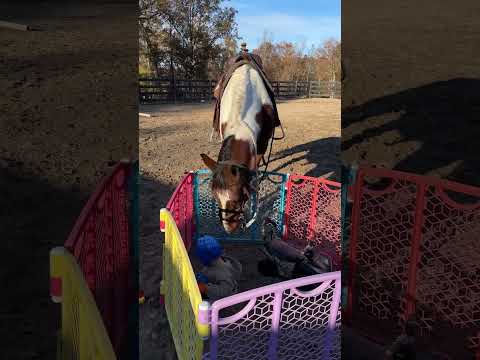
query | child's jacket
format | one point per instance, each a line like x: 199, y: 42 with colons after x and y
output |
x: 223, y: 278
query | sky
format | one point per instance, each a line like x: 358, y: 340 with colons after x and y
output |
x: 309, y: 21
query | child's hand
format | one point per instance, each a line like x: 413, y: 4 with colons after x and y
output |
x: 201, y: 278
x: 203, y: 288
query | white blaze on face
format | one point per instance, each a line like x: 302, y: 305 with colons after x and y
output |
x: 223, y: 197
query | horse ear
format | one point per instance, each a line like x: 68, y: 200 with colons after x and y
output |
x: 211, y: 164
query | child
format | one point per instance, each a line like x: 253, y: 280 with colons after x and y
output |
x: 220, y: 274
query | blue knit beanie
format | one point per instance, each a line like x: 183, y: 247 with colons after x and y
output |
x: 208, y: 249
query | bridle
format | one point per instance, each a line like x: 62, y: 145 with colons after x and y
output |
x: 233, y: 215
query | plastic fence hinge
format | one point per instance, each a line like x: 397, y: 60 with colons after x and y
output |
x: 162, y: 287
x: 204, y: 314
x: 163, y: 217
x: 56, y: 289
x: 56, y: 269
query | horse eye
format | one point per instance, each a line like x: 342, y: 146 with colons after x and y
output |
x: 234, y: 171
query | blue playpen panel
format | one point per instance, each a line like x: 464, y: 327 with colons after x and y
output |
x: 271, y: 204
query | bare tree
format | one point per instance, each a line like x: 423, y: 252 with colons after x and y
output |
x: 152, y: 36
x: 268, y: 51
x: 331, y: 53
x: 188, y: 37
x: 289, y: 61
x: 199, y: 32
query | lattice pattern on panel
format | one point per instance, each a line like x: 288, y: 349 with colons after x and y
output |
x: 271, y: 204
x: 304, y: 326
x: 383, y: 249
x: 180, y: 206
x: 83, y: 334
x: 100, y: 244
x: 248, y: 337
x: 419, y: 233
x: 326, y: 227
x: 336, y: 351
x: 313, y: 215
x: 448, y: 275
x: 180, y: 312
x: 180, y: 291
x: 302, y: 320
x: 298, y: 212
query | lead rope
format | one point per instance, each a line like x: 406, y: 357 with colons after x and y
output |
x: 264, y: 176
x: 267, y: 163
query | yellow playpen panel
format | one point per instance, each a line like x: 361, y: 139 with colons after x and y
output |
x: 180, y: 291
x: 83, y: 335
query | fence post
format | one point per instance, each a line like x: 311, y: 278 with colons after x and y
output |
x: 174, y: 87
x: 190, y: 89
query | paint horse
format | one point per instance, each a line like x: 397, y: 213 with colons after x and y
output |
x: 245, y: 118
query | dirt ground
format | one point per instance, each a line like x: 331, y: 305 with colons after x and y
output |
x: 69, y: 90
x: 170, y: 144
x: 67, y: 113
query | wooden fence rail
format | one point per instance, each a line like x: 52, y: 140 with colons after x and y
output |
x: 164, y: 90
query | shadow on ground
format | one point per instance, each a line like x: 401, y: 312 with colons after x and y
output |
x: 324, y: 154
x: 155, y: 338
x: 35, y: 217
x: 444, y: 117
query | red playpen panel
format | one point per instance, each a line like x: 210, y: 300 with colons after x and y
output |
x: 100, y: 243
x: 180, y: 206
x: 415, y: 238
x: 312, y: 214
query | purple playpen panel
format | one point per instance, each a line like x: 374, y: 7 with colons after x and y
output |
x: 180, y: 206
x: 100, y: 243
x: 279, y: 321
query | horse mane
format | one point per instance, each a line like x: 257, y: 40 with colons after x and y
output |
x: 226, y: 149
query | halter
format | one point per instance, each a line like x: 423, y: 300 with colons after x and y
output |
x: 253, y: 185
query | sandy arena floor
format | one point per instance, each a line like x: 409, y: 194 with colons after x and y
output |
x: 408, y: 102
x: 171, y: 143
x: 63, y: 123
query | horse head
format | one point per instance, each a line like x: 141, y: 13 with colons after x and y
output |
x: 231, y: 188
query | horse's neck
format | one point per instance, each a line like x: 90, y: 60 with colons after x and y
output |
x: 241, y: 103
x: 241, y: 152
